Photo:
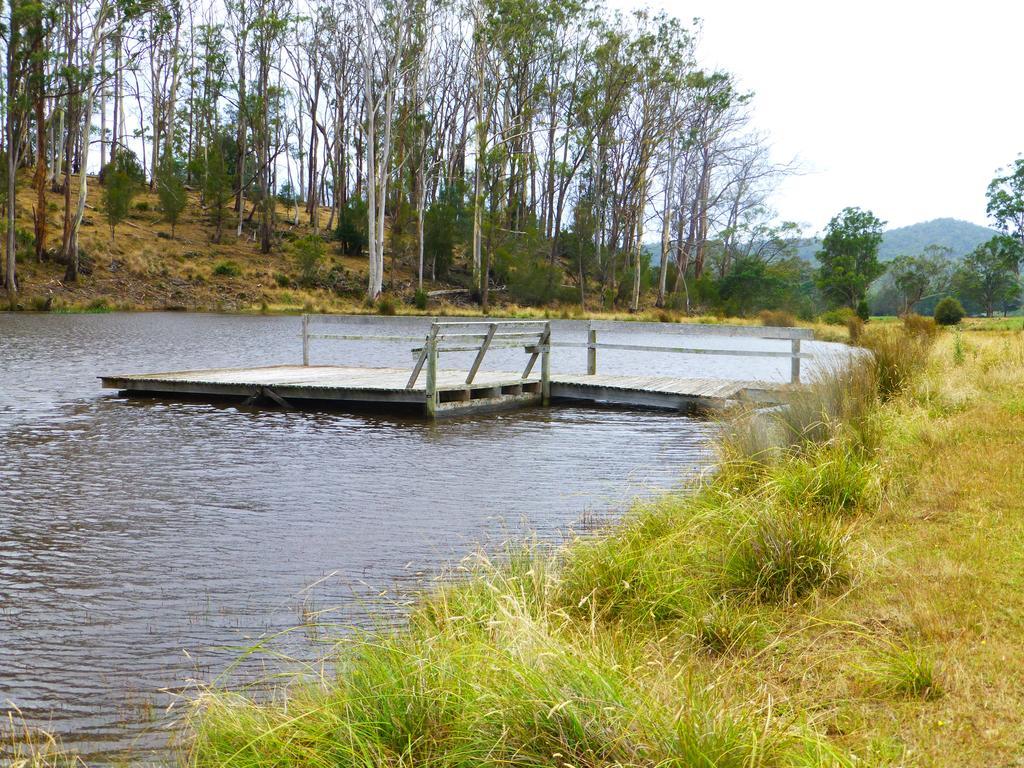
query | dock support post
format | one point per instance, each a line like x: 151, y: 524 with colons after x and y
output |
x: 545, y: 366
x: 794, y: 371
x: 431, y: 351
x: 305, y: 339
x: 591, y: 350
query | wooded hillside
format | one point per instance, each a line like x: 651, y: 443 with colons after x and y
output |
x: 527, y: 145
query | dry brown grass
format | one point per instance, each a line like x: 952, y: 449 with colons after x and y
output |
x: 919, y: 664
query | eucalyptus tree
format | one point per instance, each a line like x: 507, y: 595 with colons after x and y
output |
x: 1005, y: 196
x: 385, y: 32
x: 268, y: 27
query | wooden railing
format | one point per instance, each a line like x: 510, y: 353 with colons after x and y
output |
x: 533, y: 336
x: 793, y: 335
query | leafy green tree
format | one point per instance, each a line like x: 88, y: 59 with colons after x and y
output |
x: 1006, y: 201
x: 987, y: 276
x: 118, y: 190
x: 918, y: 276
x: 171, y: 191
x: 849, y: 256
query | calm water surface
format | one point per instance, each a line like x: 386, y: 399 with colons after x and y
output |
x: 144, y: 542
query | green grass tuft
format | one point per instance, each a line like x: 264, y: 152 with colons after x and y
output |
x: 785, y: 556
x: 907, y: 670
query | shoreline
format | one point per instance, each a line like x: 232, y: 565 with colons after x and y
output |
x: 705, y: 584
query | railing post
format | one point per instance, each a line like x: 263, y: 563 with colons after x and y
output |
x: 431, y: 376
x: 591, y: 349
x: 794, y: 370
x: 305, y: 339
x: 545, y: 366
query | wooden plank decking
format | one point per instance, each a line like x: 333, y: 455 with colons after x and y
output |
x: 338, y: 385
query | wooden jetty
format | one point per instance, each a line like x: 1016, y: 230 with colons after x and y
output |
x: 439, y: 392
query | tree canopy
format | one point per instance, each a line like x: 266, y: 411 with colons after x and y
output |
x: 849, y: 256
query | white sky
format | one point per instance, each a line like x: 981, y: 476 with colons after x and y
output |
x: 905, y: 108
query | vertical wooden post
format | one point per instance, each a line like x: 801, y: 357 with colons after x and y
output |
x: 305, y: 339
x: 591, y: 350
x: 431, y: 376
x: 794, y: 370
x: 545, y: 366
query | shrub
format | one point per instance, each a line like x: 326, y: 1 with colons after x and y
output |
x: 308, y: 252
x: 916, y: 325
x: 949, y: 311
x: 386, y: 306
x: 420, y: 300
x: 786, y: 556
x: 118, y: 189
x: 171, y: 190
x: 227, y: 269
x: 863, y: 310
x: 351, y: 231
x: 778, y: 318
x: 142, y: 206
x: 838, y: 316
x: 282, y: 280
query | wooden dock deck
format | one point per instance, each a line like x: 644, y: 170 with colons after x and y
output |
x: 337, y: 386
x: 441, y: 392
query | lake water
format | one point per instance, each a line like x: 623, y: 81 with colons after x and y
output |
x: 144, y: 542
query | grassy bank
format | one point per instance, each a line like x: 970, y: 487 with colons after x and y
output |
x: 843, y: 592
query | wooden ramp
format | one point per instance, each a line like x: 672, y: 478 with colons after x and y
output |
x: 442, y: 392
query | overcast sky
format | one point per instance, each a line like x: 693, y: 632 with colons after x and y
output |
x: 906, y: 108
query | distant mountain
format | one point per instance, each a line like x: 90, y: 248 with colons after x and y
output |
x: 961, y: 237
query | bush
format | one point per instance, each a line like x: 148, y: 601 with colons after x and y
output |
x: 142, y: 206
x: 308, y: 252
x: 777, y: 318
x: 838, y: 316
x: 949, y: 311
x: 386, y: 306
x: 916, y: 325
x: 352, y: 229
x: 420, y: 299
x: 227, y: 269
x: 863, y: 310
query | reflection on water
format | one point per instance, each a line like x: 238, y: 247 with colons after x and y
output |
x: 143, y: 542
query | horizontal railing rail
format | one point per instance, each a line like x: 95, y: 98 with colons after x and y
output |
x: 532, y: 336
x: 793, y: 335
